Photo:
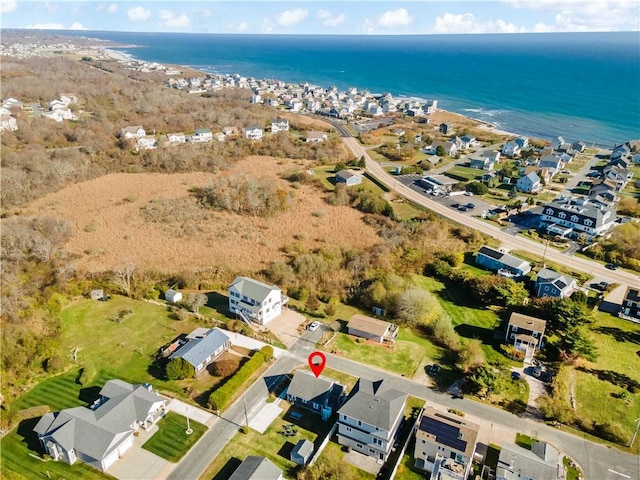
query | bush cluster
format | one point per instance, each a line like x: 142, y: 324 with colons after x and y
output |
x: 219, y: 399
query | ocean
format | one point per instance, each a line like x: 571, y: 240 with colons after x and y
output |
x: 583, y: 86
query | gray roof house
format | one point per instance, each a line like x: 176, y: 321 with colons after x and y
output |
x: 525, y: 333
x: 256, y: 468
x: 202, y: 347
x: 530, y: 183
x: 506, y: 265
x: 320, y: 395
x: 370, y: 418
x: 445, y: 444
x: 348, y: 178
x: 542, y: 462
x: 301, y: 453
x: 579, y: 216
x: 255, y: 301
x: 553, y: 284
x: 372, y: 328
x: 100, y: 435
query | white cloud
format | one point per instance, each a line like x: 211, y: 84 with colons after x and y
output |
x: 77, y: 26
x: 113, y: 8
x: 289, y: 18
x: 395, y: 18
x: 174, y: 20
x: 46, y: 26
x: 8, y: 6
x: 267, y: 26
x: 138, y: 14
x: 238, y: 27
x: 204, y: 13
x: 329, y: 19
x: 468, y: 23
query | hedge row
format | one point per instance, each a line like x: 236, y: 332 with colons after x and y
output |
x: 219, y: 399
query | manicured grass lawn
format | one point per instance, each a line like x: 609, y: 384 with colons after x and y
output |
x: 17, y: 449
x: 618, y: 342
x: 463, y: 174
x: 171, y: 441
x: 404, y: 360
x: 524, y: 441
x: 272, y: 444
x: 121, y: 350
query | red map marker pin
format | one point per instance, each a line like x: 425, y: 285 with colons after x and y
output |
x: 318, y: 365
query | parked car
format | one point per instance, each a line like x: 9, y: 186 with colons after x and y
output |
x: 471, y: 205
x: 602, y: 286
x: 455, y: 205
x: 515, y: 376
x: 612, y: 266
x: 434, y: 369
x: 468, y: 194
x: 537, y: 371
x: 313, y: 326
x: 462, y: 208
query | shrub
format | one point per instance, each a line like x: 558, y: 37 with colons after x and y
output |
x: 454, y: 259
x: 226, y: 367
x: 179, y: 369
x: 234, y: 326
x: 443, y: 332
x: 510, y: 351
x: 86, y: 375
x: 330, y: 310
x: 219, y: 399
x: 267, y: 353
x: 477, y: 188
x: 55, y: 364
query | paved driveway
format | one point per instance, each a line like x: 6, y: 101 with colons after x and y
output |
x: 140, y: 464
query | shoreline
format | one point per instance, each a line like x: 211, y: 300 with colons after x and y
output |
x: 121, y: 56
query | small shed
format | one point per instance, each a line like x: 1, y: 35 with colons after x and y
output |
x: 302, y: 452
x: 347, y: 177
x: 97, y: 294
x: 172, y: 295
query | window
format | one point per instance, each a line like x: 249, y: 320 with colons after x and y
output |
x: 535, y: 334
x: 348, y: 429
x: 574, y: 218
x: 562, y: 215
x: 359, y: 423
x: 513, y: 335
x: 588, y: 222
x: 344, y: 417
x: 359, y: 445
x: 515, y: 328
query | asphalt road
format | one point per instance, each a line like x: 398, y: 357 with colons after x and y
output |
x: 598, y: 462
x: 508, y: 241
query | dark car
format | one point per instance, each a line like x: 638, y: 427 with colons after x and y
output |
x: 455, y: 205
x: 612, y: 266
x: 462, y: 208
x: 515, y: 376
x: 537, y: 371
x: 434, y: 369
x: 602, y: 286
x: 471, y: 205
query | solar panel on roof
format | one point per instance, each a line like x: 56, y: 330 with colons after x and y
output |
x: 444, y: 433
x: 489, y: 252
x: 560, y: 284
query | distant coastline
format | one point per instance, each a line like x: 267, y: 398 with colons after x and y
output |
x: 525, y: 85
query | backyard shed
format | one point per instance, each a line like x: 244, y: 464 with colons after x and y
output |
x: 302, y: 452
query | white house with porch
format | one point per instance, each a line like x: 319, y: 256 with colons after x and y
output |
x: 526, y: 334
x: 255, y: 301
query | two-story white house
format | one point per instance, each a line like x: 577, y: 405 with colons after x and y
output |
x: 445, y: 444
x: 253, y: 132
x: 201, y: 135
x: 529, y: 183
x: 133, y: 132
x: 369, y: 419
x: 255, y: 301
x: 279, y: 125
x: 525, y: 333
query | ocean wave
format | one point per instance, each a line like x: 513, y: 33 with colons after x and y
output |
x: 487, y: 113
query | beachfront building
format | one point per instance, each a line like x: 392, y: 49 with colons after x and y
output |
x: 445, y: 444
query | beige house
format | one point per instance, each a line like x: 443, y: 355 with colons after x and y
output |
x: 372, y: 328
x: 525, y: 333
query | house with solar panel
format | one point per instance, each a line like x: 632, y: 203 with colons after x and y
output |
x: 257, y: 468
x: 542, y: 462
x: 201, y: 347
x: 553, y: 284
x: 445, y: 444
x: 255, y: 301
x: 504, y: 264
x: 370, y: 418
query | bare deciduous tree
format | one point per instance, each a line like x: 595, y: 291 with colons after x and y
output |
x: 124, y: 277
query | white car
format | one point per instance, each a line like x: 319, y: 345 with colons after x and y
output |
x: 313, y: 326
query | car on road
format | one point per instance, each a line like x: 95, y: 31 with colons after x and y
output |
x: 612, y: 266
x: 515, y: 376
x: 471, y: 205
x: 313, y: 326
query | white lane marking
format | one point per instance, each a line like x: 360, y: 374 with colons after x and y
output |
x: 618, y: 473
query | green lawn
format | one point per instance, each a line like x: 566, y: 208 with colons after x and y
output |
x: 19, y: 448
x: 464, y: 174
x: 171, y: 441
x: 404, y: 359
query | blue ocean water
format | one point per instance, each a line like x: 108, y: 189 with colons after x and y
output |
x: 583, y: 86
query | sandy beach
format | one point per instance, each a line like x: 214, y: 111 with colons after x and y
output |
x: 117, y: 55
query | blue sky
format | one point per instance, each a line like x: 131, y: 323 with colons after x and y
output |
x: 319, y: 17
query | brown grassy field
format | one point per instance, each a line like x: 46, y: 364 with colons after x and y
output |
x: 110, y: 230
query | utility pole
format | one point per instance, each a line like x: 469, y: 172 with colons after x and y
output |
x: 637, y: 422
x: 246, y: 417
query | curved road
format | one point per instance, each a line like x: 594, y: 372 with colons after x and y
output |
x: 508, y: 241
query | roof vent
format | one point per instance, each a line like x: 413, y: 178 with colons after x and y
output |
x: 529, y: 322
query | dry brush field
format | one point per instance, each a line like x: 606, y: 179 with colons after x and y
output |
x: 110, y: 227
